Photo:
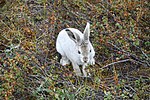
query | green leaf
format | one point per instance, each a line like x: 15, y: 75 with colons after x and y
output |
x: 147, y: 43
x: 137, y: 42
x: 118, y: 25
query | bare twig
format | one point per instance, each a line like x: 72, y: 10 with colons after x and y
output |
x: 133, y: 57
x: 126, y: 53
x: 132, y: 60
x: 121, y: 61
x: 79, y: 89
x: 138, y: 48
x: 141, y: 51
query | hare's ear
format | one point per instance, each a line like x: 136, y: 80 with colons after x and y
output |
x: 87, y: 32
x: 75, y: 37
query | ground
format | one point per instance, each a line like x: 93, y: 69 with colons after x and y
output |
x: 29, y: 63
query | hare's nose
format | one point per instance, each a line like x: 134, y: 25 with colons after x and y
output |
x: 85, y: 59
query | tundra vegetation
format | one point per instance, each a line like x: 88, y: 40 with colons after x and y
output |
x: 29, y: 66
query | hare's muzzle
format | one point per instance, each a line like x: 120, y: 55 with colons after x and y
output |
x: 85, y: 59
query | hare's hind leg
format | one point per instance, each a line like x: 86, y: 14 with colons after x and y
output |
x: 64, y: 61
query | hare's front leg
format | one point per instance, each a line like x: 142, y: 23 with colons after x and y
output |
x: 92, y: 61
x: 76, y: 69
x: 64, y: 61
x: 83, y: 70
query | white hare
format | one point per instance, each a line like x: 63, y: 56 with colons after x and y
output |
x: 75, y: 47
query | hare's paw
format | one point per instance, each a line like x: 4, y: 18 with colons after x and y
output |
x: 92, y: 61
x: 64, y: 61
x: 78, y: 73
x: 76, y: 69
x: 84, y: 70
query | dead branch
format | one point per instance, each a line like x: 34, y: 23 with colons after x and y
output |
x: 133, y: 57
x: 121, y: 61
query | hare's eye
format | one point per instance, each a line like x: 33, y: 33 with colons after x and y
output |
x: 79, y: 52
x: 90, y: 50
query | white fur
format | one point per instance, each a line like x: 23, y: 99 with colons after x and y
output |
x: 68, y: 49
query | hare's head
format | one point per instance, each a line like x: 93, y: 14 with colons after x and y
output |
x: 84, y: 49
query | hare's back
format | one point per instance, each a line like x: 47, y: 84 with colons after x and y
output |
x: 64, y: 43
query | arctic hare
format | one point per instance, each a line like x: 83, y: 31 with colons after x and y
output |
x: 75, y: 47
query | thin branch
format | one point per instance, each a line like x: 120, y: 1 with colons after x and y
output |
x: 141, y: 51
x: 121, y: 61
x: 132, y: 60
x: 79, y: 89
x: 120, y: 49
x: 133, y: 57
